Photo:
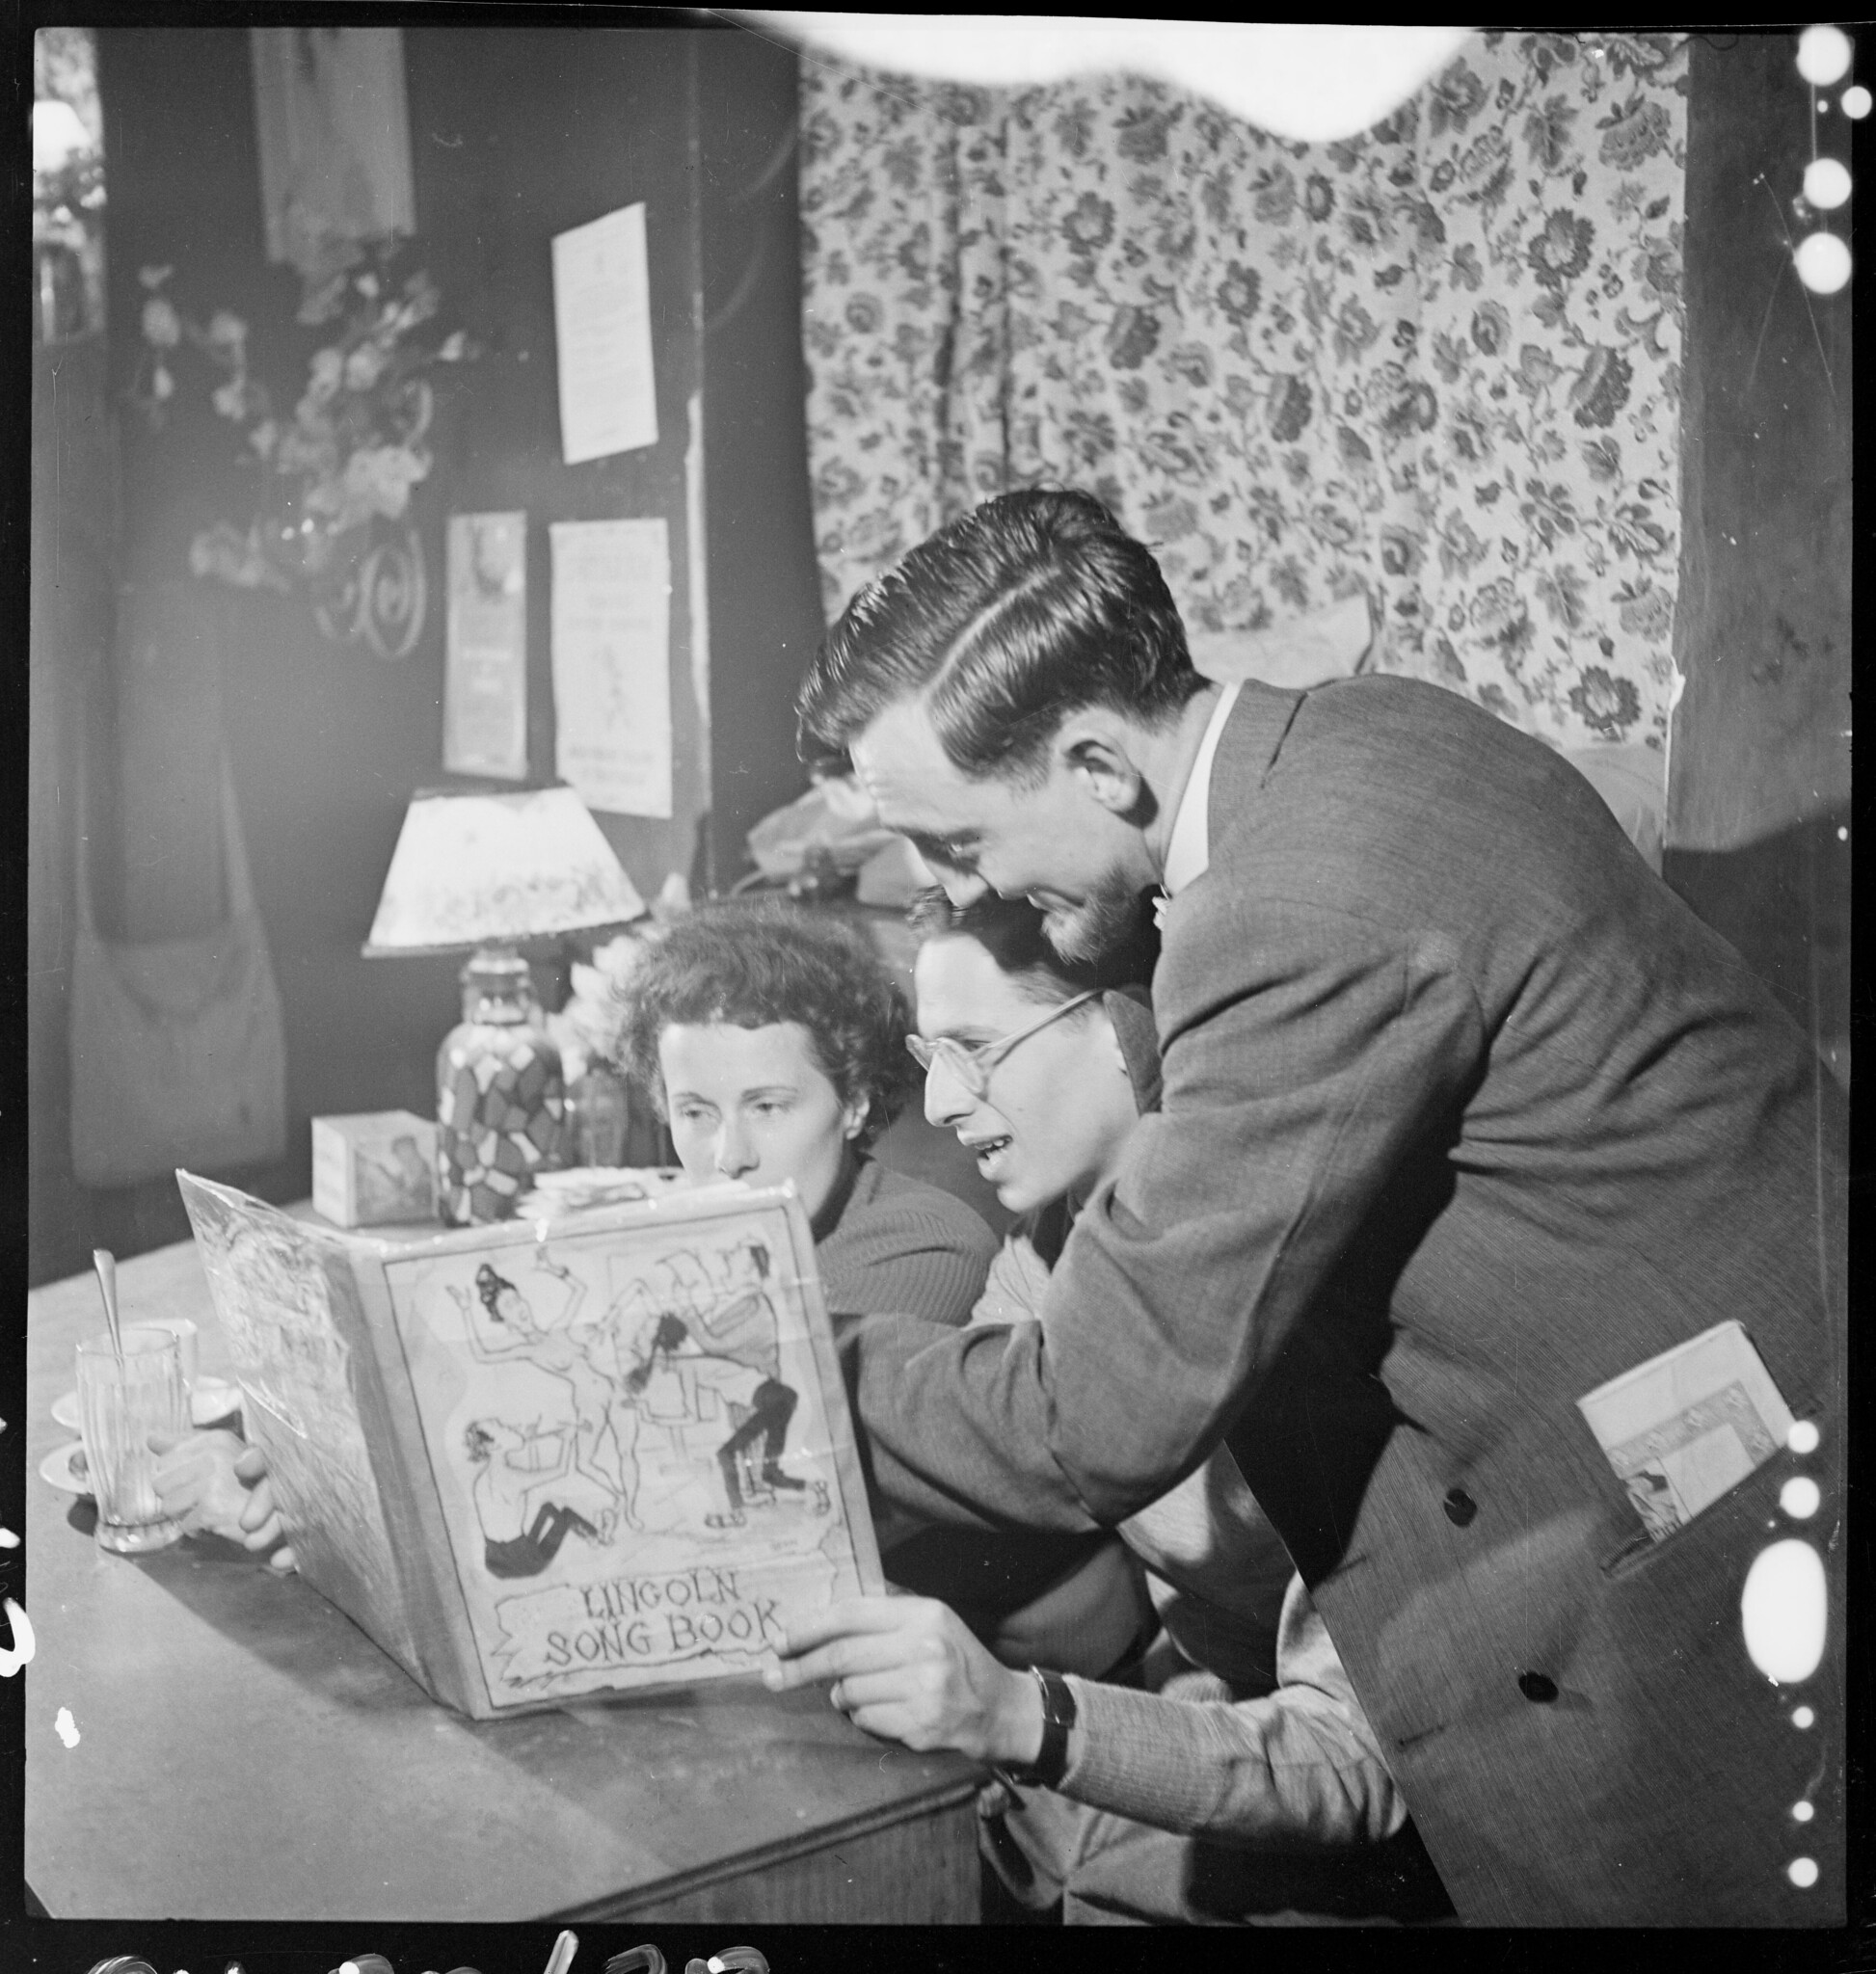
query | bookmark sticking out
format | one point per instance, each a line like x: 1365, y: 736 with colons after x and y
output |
x: 1685, y: 1427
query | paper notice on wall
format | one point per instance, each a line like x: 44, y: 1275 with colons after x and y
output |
x: 485, y: 683
x: 603, y: 338
x: 611, y: 624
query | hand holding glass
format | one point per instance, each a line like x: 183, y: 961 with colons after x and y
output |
x: 121, y: 1401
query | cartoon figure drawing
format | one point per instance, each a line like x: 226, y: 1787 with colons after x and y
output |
x: 500, y: 1324
x: 743, y: 1324
x: 522, y: 1531
x: 725, y: 1308
x: 760, y: 1407
x: 689, y: 1343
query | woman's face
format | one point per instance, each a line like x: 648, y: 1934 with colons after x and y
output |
x: 752, y: 1103
x: 1058, y: 1107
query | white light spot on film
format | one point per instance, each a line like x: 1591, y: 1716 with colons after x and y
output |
x: 1823, y: 262
x: 1783, y: 1608
x: 1826, y: 183
x: 20, y: 1652
x: 66, y: 1727
x: 1799, y: 1498
x: 1803, y: 1873
x: 1802, y: 1812
x: 8, y: 1540
x: 1856, y: 101
x: 1802, y: 1717
x: 1803, y: 1436
x: 1823, y: 56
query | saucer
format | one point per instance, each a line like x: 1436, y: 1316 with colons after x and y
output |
x: 55, y: 1470
x: 212, y: 1399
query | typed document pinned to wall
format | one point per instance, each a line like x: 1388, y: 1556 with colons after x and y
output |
x: 611, y: 629
x: 603, y: 338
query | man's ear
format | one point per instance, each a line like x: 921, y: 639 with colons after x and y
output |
x: 1099, y: 760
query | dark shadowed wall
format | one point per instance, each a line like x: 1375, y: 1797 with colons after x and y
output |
x: 517, y: 134
x: 1759, y: 794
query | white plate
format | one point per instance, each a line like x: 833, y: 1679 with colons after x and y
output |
x: 213, y: 1399
x: 56, y: 1469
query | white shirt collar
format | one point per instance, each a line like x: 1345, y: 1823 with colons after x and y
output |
x: 1189, y: 848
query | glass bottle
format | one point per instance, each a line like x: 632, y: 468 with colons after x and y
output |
x: 501, y: 1101
x: 600, y: 1113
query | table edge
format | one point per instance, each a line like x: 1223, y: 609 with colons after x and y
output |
x: 639, y: 1899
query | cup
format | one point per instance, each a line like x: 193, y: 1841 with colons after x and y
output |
x: 120, y: 1405
x: 187, y: 1337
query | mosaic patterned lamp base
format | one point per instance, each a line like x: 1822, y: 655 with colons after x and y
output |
x: 501, y: 1105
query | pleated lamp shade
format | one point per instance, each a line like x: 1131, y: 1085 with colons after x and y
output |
x: 480, y: 866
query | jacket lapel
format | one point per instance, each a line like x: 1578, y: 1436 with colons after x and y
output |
x: 1247, y: 748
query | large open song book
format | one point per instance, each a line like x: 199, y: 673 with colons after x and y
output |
x: 606, y: 1451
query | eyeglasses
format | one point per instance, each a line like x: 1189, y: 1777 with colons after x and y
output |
x: 971, y: 1066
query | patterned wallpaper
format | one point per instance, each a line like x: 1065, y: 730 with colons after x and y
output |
x: 1435, y: 367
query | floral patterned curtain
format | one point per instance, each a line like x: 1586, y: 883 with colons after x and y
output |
x: 1437, y: 366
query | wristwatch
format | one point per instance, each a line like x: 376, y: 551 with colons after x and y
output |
x: 1051, y: 1761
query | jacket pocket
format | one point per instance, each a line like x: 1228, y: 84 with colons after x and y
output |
x: 1719, y: 1526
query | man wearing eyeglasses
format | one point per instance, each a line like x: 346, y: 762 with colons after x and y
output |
x: 1467, y: 1117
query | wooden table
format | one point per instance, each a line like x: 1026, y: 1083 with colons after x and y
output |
x: 245, y: 1751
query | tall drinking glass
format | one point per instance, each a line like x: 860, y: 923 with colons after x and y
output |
x: 120, y: 1405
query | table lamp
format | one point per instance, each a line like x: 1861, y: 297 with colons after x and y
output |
x: 486, y: 869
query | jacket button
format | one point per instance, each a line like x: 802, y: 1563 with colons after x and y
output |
x: 1460, y: 1506
x: 1537, y: 1686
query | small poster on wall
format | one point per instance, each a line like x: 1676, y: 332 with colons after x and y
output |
x: 333, y: 127
x: 611, y: 629
x: 485, y: 685
x: 603, y: 338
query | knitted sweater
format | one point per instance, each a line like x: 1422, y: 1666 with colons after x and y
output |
x: 889, y: 1245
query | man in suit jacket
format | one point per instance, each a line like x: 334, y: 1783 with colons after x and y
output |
x: 1465, y: 1114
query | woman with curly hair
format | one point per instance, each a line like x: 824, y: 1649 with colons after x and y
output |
x: 772, y: 1040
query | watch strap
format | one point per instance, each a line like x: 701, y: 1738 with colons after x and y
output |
x: 1051, y: 1763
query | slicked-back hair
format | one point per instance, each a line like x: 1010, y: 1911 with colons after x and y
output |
x: 1010, y: 930
x: 1016, y: 615
x: 749, y: 963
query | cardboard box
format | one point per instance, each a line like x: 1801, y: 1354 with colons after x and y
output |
x: 374, y: 1169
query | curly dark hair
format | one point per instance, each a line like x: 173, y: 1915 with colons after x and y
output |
x: 753, y: 962
x: 1012, y: 931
